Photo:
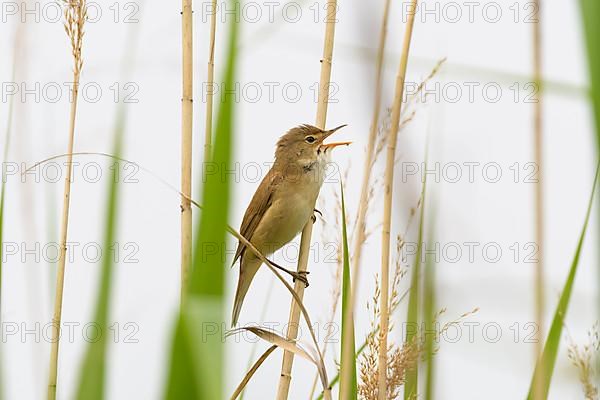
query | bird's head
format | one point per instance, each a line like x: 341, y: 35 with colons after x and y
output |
x: 305, y: 145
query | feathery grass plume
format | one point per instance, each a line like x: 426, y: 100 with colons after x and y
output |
x: 322, y: 102
x: 544, y: 367
x: 187, y: 109
x: 75, y: 16
x: 583, y: 359
x: 369, y: 371
x: 538, y: 145
x: 400, y: 359
x: 387, y: 205
x: 399, y: 273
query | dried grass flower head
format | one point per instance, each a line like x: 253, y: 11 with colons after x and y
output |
x: 75, y: 15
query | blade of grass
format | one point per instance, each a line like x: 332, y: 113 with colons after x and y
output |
x: 336, y: 379
x: 363, y: 346
x: 429, y: 306
x: 347, y: 363
x: 93, y: 371
x: 412, y: 318
x: 590, y: 12
x: 196, y: 370
x: 91, y: 382
x: 544, y: 367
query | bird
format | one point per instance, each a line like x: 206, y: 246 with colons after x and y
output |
x: 283, y: 202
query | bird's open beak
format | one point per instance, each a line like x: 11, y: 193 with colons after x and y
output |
x: 327, y: 146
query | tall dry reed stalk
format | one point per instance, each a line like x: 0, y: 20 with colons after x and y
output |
x: 75, y: 15
x: 369, y: 156
x: 360, y: 227
x: 387, y: 205
x: 210, y: 79
x: 323, y: 99
x: 539, y: 198
x: 187, y: 109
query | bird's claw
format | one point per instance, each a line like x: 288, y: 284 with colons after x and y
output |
x: 314, y: 217
x: 301, y: 276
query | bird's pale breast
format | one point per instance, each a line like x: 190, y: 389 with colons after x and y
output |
x: 291, y: 208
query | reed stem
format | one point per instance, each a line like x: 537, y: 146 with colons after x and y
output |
x: 539, y: 199
x: 75, y: 15
x: 387, y: 204
x: 364, y: 195
x: 323, y: 100
x: 186, y: 144
x: 210, y: 79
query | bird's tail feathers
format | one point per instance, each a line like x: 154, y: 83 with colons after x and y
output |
x: 247, y: 272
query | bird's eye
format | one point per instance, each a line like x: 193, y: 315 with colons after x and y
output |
x: 310, y: 139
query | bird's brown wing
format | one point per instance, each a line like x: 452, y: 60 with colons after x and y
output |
x: 260, y: 203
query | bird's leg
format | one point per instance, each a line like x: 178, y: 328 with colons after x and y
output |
x: 301, y: 275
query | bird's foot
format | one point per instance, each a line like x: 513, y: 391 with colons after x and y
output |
x: 300, y: 275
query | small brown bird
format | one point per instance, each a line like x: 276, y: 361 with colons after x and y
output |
x: 283, y: 202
